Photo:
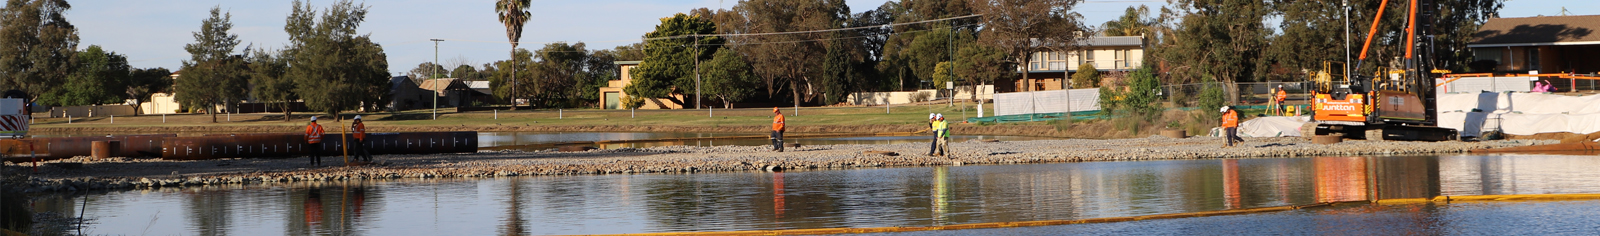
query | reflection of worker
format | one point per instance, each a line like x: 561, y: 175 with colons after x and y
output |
x: 359, y: 131
x: 777, y: 130
x: 933, y: 145
x: 1230, y: 125
x: 313, y: 206
x: 314, y: 141
x: 1279, y: 98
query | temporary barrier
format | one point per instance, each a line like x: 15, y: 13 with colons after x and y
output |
x: 169, y: 146
x: 290, y: 145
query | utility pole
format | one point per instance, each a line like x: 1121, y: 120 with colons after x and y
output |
x: 436, y: 74
x: 697, y: 73
x: 1347, y: 39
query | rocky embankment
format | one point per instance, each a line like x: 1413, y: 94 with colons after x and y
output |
x: 83, y: 173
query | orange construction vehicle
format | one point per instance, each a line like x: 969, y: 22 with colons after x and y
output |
x: 1396, y: 104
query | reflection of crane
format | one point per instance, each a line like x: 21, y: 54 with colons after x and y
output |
x: 1394, y: 104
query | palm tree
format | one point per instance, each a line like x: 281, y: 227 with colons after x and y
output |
x: 513, y: 13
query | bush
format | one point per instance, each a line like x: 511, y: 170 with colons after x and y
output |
x: 1212, y: 97
x: 1140, y: 99
x: 920, y: 96
x: 1087, y: 77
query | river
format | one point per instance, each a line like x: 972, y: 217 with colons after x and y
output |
x: 922, y: 196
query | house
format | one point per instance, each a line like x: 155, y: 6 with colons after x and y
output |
x: 454, y: 92
x: 611, y: 95
x: 1049, y: 70
x: 407, y: 95
x: 482, y: 86
x: 1547, y: 44
x: 161, y: 103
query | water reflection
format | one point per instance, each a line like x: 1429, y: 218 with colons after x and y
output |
x: 818, y: 199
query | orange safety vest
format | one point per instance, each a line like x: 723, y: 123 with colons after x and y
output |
x: 313, y: 133
x: 359, y: 131
x: 1282, y: 96
x: 777, y: 122
x: 1230, y: 119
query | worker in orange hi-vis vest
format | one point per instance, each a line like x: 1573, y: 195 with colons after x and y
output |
x: 777, y: 130
x: 358, y: 130
x: 1230, y: 125
x: 1279, y: 98
x: 314, y: 141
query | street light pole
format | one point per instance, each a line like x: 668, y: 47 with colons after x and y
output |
x: 435, y: 74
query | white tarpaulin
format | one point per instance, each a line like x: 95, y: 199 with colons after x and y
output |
x: 1491, y: 84
x: 1519, y: 113
x: 1273, y: 126
x: 1053, y: 101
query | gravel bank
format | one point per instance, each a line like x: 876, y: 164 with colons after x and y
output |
x: 125, y: 173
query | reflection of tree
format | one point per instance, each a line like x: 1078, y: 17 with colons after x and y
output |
x: 514, y: 223
x: 680, y: 202
x: 209, y: 209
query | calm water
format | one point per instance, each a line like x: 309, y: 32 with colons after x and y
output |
x: 821, y: 199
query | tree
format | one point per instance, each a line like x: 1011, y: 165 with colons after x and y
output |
x: 979, y: 64
x: 599, y: 68
x: 1221, y: 39
x: 38, y: 46
x: 465, y: 72
x: 559, y: 69
x: 1024, y: 27
x: 333, y: 68
x: 630, y: 52
x: 784, y: 61
x: 1132, y: 23
x: 943, y: 73
x: 1087, y: 77
x: 501, y: 82
x: 143, y: 83
x: 728, y: 77
x: 513, y: 14
x: 428, y: 70
x: 268, y: 76
x: 101, y: 78
x: 671, y: 53
x: 839, y: 74
x: 213, y: 75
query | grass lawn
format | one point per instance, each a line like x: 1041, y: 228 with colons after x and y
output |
x: 568, y: 117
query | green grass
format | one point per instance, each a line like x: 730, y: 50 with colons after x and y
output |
x: 570, y: 117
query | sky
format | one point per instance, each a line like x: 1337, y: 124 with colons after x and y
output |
x: 153, y: 33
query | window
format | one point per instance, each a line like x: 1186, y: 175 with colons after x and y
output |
x: 1119, y: 58
x: 1128, y: 56
x: 1533, y: 58
x: 1492, y: 54
x: 1088, y: 58
x: 1037, y: 62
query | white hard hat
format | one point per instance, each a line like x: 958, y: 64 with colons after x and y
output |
x: 313, y: 118
x: 1224, y: 109
x: 358, y: 117
x: 931, y: 116
x: 940, y: 115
